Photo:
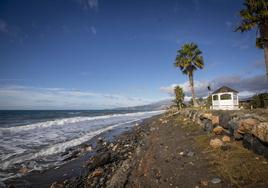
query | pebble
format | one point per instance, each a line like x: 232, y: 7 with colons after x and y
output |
x: 181, y: 153
x: 216, y: 180
x: 190, y: 154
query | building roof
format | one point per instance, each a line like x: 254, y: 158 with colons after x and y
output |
x: 224, y: 89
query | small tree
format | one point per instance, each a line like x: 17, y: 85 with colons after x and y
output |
x: 209, y: 101
x: 179, y: 96
x: 260, y: 100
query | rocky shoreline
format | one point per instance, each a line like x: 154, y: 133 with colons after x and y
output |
x: 169, y: 150
x: 110, y: 165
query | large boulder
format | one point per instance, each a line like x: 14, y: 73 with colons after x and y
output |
x: 252, y: 143
x: 246, y: 125
x: 215, y: 143
x: 261, y: 131
x: 224, y: 119
x: 207, y: 125
x: 218, y: 130
x: 206, y: 116
x: 213, y: 118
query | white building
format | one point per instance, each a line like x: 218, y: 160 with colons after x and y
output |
x: 225, y: 98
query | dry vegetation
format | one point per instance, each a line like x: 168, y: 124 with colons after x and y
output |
x: 233, y: 162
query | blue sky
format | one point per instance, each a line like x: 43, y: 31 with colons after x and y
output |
x: 93, y: 54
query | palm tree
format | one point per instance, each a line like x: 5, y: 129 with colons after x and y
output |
x: 254, y: 15
x: 189, y: 59
x: 179, y: 96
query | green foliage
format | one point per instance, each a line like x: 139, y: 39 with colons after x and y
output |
x: 179, y: 96
x: 255, y: 14
x: 189, y: 59
x: 209, y: 101
x: 260, y: 100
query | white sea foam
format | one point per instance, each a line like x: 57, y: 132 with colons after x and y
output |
x: 61, y: 147
x: 34, y: 141
x: 66, y: 121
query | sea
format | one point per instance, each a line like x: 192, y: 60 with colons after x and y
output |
x: 37, y: 139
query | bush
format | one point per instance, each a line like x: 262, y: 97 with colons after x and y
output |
x: 260, y: 100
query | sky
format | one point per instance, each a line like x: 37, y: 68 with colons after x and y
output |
x: 98, y: 54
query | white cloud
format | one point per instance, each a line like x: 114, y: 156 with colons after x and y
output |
x: 89, y: 4
x: 21, y: 97
x: 200, y: 87
x: 247, y: 86
x: 93, y: 30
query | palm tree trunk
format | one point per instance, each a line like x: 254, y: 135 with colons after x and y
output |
x: 191, y: 80
x: 264, y: 36
x: 266, y: 58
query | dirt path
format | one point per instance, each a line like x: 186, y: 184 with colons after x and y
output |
x: 170, y: 158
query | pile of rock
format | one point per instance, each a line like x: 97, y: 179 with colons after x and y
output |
x: 110, y: 165
x: 251, y: 128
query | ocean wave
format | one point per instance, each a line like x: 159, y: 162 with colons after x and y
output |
x: 60, y: 147
x: 66, y: 121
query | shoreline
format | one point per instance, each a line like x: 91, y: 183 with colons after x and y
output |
x: 75, y: 165
x: 167, y: 150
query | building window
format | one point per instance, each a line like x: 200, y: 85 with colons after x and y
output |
x: 226, y: 97
x: 235, y: 96
x: 215, y: 97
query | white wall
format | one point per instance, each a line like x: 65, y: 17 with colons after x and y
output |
x: 229, y: 104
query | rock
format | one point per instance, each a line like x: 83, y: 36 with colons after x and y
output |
x: 261, y: 131
x: 216, y: 143
x: 204, y: 182
x: 207, y: 125
x: 24, y: 170
x: 252, y: 143
x: 86, y: 149
x: 72, y: 156
x: 225, y: 147
x: 215, y: 120
x: 246, y: 125
x: 224, y: 119
x: 181, y: 153
x: 226, y: 138
x: 216, y: 180
x: 190, y: 154
x: 233, y: 126
x: 114, y: 148
x: 237, y: 136
x: 101, y: 159
x: 206, y: 116
x: 97, y: 173
x: 218, y: 130
x: 56, y: 185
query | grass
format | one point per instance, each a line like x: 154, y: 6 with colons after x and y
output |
x: 237, y: 165
x: 186, y: 125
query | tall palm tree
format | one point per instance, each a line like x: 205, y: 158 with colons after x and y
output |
x: 255, y: 15
x: 189, y: 59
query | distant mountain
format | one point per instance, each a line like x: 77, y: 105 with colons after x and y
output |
x: 160, y: 105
